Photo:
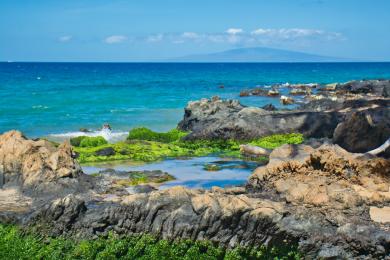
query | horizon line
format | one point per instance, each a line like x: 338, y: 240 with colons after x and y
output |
x: 165, y: 61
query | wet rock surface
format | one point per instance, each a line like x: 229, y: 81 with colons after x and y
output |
x: 330, y: 202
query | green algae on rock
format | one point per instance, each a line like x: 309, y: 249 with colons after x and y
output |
x: 21, y: 244
x: 143, y: 133
x: 146, y: 145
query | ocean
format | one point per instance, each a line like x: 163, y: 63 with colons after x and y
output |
x: 57, y: 99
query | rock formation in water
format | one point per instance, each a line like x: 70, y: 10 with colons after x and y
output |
x: 355, y: 114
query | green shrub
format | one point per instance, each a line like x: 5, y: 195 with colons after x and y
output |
x: 92, y: 141
x: 75, y: 141
x: 143, y: 133
x: 17, y: 245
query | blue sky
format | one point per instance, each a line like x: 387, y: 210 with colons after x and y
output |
x: 133, y: 30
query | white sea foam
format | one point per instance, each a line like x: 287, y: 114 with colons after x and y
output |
x: 105, y: 133
x: 39, y: 107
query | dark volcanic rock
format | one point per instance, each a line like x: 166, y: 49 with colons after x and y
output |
x: 374, y: 87
x: 141, y: 189
x: 269, y: 107
x: 363, y: 131
x: 105, y: 152
x: 342, y: 103
x: 208, y: 119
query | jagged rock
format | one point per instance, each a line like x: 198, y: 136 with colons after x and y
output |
x: 328, y: 175
x: 34, y: 164
x: 269, y: 107
x: 320, y: 199
x: 363, y: 131
x: 228, y: 119
x: 141, y: 189
x: 374, y: 87
x: 339, y: 103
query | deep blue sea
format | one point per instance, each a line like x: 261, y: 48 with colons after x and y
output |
x: 43, y: 99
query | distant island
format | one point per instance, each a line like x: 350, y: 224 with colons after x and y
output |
x: 258, y: 54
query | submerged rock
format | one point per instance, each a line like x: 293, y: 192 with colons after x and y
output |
x: 127, y: 178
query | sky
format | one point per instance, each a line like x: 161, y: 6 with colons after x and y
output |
x: 149, y: 30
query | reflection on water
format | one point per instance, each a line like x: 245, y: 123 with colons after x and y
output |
x: 190, y: 173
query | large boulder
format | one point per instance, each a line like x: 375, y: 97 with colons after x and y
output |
x: 35, y: 164
x: 362, y: 131
x: 228, y: 119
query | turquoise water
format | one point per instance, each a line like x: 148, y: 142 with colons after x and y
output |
x: 59, y: 98
x: 189, y: 173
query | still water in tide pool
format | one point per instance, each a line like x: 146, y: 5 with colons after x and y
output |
x: 189, y: 173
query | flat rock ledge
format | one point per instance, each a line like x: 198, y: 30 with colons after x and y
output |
x: 329, y: 202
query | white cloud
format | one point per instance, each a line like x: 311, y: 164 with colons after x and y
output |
x: 155, y: 38
x: 293, y: 33
x: 190, y: 35
x: 287, y: 37
x: 234, y: 31
x: 115, y: 39
x: 65, y: 38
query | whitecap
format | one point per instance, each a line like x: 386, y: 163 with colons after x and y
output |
x: 111, y: 137
x: 39, y: 107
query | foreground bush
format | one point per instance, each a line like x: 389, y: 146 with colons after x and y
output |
x: 75, y: 141
x: 88, y: 141
x: 15, y: 245
x: 143, y: 133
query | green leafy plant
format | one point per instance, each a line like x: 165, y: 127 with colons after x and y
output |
x: 143, y: 133
x: 15, y: 244
x: 75, y: 141
x: 88, y: 141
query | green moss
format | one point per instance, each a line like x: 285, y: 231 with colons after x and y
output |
x: 274, y: 141
x: 16, y: 245
x: 171, y: 145
x: 75, y: 141
x: 96, y: 141
x: 146, y: 151
x: 143, y: 133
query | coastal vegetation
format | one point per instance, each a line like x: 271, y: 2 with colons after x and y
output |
x: 143, y: 144
x: 16, y: 244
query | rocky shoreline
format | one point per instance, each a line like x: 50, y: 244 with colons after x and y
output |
x: 327, y: 196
